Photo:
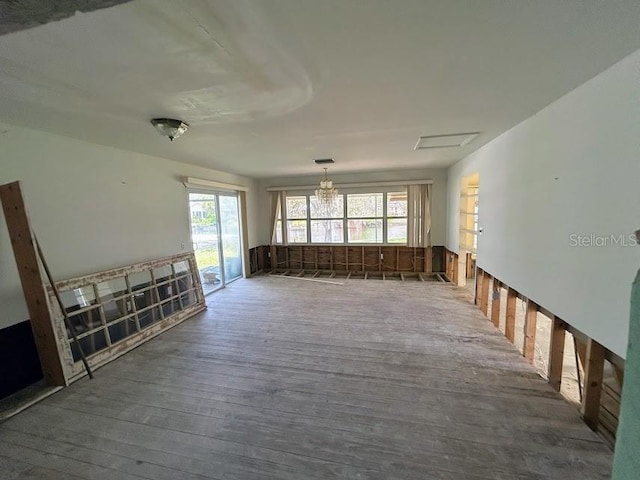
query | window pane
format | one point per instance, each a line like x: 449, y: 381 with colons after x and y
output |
x: 297, y: 231
x: 321, y: 211
x: 364, y: 205
x: 327, y: 231
x: 396, y: 204
x: 365, y: 231
x: 397, y: 230
x: 297, y: 207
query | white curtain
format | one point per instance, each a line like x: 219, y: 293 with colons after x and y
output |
x: 278, y: 202
x: 418, y: 215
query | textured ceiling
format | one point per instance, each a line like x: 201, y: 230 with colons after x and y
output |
x: 268, y: 85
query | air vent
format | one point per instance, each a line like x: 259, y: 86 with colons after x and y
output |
x: 323, y: 161
x: 445, y: 141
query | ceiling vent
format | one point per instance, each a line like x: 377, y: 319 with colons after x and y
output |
x: 323, y: 161
x: 445, y: 141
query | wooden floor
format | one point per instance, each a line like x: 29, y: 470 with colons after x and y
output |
x: 286, y: 379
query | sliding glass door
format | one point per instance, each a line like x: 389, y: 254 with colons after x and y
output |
x: 215, y: 232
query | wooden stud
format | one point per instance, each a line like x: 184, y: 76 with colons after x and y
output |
x: 346, y: 258
x: 260, y: 262
x: 484, y: 297
x: 455, y: 269
x: 556, y: 353
x: 530, y: 321
x: 495, y: 302
x: 510, y: 321
x: 593, y: 375
x: 274, y: 256
x: 479, y: 278
x: 330, y: 258
x: 428, y: 260
x: 33, y: 286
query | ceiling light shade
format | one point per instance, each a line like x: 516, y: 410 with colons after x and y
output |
x: 169, y: 127
x: 327, y: 194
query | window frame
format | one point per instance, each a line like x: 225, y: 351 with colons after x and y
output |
x: 345, y: 219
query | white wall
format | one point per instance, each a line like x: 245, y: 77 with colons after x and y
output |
x: 94, y: 207
x: 438, y: 204
x: 571, y: 169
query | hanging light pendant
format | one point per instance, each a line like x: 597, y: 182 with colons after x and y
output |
x: 169, y: 127
x: 327, y: 194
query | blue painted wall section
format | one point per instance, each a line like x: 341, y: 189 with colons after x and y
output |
x: 627, y: 455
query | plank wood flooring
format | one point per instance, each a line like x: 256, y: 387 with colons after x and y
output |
x: 299, y: 380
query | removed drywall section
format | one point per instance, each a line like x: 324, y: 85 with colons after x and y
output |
x: 555, y: 189
x: 95, y: 207
x: 438, y: 192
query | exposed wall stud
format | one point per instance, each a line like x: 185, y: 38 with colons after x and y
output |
x: 530, y: 322
x: 495, y: 302
x: 593, y: 373
x: 484, y: 297
x: 556, y: 353
x: 510, y: 321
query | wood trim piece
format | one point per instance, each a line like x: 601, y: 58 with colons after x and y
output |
x: 593, y: 375
x: 556, y: 353
x: 33, y: 285
x: 495, y: 302
x: 510, y: 321
x: 530, y: 322
x: 400, y: 183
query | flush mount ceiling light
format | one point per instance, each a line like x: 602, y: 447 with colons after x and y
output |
x: 169, y: 127
x: 446, y: 141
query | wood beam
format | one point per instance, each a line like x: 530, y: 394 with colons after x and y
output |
x: 593, y: 375
x: 455, y: 269
x: 510, y: 321
x: 530, y: 322
x: 495, y: 302
x: 274, y: 256
x: 479, y: 279
x: 33, y: 285
x: 484, y: 297
x: 556, y: 353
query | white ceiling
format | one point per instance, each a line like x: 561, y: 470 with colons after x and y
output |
x: 268, y: 85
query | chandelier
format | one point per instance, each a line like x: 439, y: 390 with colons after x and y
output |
x: 327, y: 194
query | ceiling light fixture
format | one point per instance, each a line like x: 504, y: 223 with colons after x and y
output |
x: 169, y: 127
x: 327, y: 194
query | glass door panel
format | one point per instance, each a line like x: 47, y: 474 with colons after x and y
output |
x: 205, y: 234
x: 230, y: 234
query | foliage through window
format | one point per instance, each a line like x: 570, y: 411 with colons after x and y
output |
x: 355, y: 218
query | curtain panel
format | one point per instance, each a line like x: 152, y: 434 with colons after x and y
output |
x: 418, y: 215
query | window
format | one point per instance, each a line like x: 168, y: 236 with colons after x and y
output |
x: 397, y: 217
x: 378, y: 217
x: 365, y: 218
x: 327, y: 224
x: 297, y: 221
